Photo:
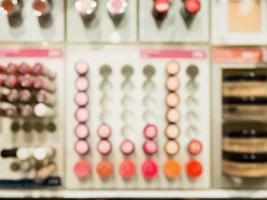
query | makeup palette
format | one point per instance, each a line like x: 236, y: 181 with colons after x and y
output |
x: 138, y: 138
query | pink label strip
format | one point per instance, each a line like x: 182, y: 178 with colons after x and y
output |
x: 40, y: 53
x: 173, y: 53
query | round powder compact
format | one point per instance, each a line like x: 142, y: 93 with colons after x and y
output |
x: 150, y: 131
x: 104, y: 131
x: 173, y: 115
x: 82, y: 169
x: 172, y: 169
x: 149, y: 169
x: 82, y: 115
x: 81, y: 84
x: 172, y: 83
x: 127, y: 147
x: 81, y: 67
x: 81, y: 99
x: 104, y: 147
x: 194, y: 169
x: 82, y: 147
x: 172, y: 99
x: 172, y: 147
x: 173, y: 67
x: 127, y: 169
x: 172, y: 131
x: 81, y: 131
x: 194, y: 147
x: 104, y: 169
x: 150, y: 147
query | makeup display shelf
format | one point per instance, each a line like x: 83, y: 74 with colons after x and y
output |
x: 133, y: 98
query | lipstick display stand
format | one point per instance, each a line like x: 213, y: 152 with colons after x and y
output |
x: 33, y: 131
x: 128, y: 113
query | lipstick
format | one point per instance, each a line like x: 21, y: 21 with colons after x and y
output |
x: 11, y: 81
x: 43, y: 111
x: 44, y: 153
x: 12, y: 9
x: 87, y: 10
x: 40, y: 69
x: 150, y: 131
x: 160, y: 10
x: 25, y: 96
x: 81, y: 99
x: 26, y: 111
x: 9, y: 110
x: 81, y: 131
x: 116, y: 10
x: 42, y: 9
x: 81, y: 67
x: 104, y: 169
x: 82, y: 147
x: 127, y: 169
x: 104, y: 147
x: 8, y: 95
x: 150, y: 147
x: 11, y: 68
x: 26, y: 81
x: 127, y: 147
x: 82, y: 169
x: 46, y: 171
x: 44, y: 83
x: 150, y: 169
x: 23, y: 153
x: 24, y: 68
x: 189, y: 11
x: 9, y: 153
x: 172, y: 147
x: 45, y: 97
x: 104, y: 131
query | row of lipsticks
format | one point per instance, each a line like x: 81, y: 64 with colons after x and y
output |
x: 26, y: 159
x: 27, y: 91
x: 172, y: 147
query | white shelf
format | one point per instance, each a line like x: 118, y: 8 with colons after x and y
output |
x: 212, y: 193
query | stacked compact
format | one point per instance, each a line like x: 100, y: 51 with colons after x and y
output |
x: 245, y: 128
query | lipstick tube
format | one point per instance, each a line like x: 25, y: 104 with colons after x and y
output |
x: 25, y: 96
x: 26, y: 111
x: 11, y: 68
x: 45, y: 97
x: 44, y: 153
x: 44, y: 83
x: 24, y: 154
x: 42, y: 9
x: 26, y: 81
x: 43, y: 111
x: 13, y: 96
x: 40, y: 69
x: 9, y: 153
x: 116, y: 10
x: 9, y: 110
x: 24, y: 68
x: 87, y: 10
x: 46, y: 171
x: 11, y: 81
